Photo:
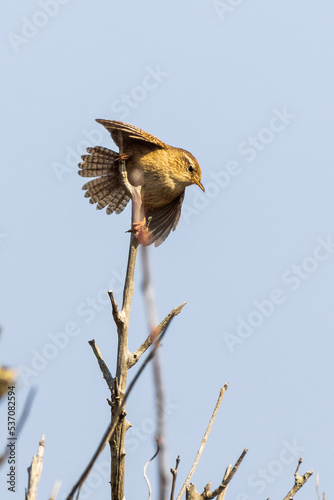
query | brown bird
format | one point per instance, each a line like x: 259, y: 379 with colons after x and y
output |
x: 163, y: 172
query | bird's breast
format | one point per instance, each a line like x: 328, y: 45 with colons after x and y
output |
x: 157, y: 173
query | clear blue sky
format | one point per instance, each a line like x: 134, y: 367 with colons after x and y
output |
x: 247, y: 87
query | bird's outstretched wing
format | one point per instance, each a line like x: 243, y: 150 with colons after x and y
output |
x: 164, y: 220
x: 130, y: 133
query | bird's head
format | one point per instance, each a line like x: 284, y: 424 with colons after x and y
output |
x: 189, y: 170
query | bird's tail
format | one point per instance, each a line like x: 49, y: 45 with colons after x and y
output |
x: 106, y: 190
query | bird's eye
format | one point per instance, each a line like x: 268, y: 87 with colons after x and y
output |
x: 191, y: 168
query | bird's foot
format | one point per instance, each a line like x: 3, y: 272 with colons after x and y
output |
x: 141, y: 232
x: 122, y: 157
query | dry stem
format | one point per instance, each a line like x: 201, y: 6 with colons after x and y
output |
x: 111, y: 429
x: 174, y: 474
x: 221, y: 496
x: 203, y: 443
x: 135, y: 356
x: 35, y: 471
x: 117, y: 444
x: 152, y: 318
x: 299, y: 481
x: 219, y: 492
x: 102, y: 364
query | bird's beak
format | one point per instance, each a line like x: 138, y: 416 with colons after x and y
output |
x: 199, y: 184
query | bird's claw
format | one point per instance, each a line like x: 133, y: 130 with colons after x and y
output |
x: 122, y: 157
x: 141, y: 232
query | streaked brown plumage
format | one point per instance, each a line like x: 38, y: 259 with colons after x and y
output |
x: 163, y: 172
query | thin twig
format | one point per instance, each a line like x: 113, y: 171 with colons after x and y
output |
x: 203, y: 443
x: 221, y: 496
x: 227, y: 478
x: 299, y: 481
x: 174, y: 474
x: 102, y: 364
x: 145, y: 475
x: 117, y: 445
x: 119, y: 320
x: 219, y: 492
x: 110, y: 429
x: 35, y: 471
x: 157, y: 372
x: 135, y: 356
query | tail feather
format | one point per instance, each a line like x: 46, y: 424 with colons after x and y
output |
x: 105, y: 193
x: 94, y: 173
x: 121, y: 204
x: 114, y: 202
x: 100, y: 195
x: 96, y: 159
x: 96, y: 184
x: 106, y: 200
x: 101, y: 151
x: 106, y: 190
x: 100, y: 161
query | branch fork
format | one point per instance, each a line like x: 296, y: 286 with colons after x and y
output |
x: 299, y: 481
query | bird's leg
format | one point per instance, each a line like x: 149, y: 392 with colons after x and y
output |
x: 141, y: 231
x: 124, y: 176
x: 138, y: 226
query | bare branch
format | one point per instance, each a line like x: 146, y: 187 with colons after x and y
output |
x: 221, y: 496
x: 119, y: 320
x: 129, y: 282
x: 110, y: 429
x: 203, y: 443
x: 35, y: 471
x: 151, y: 312
x: 191, y: 493
x: 117, y: 444
x: 227, y: 478
x: 102, y: 364
x: 174, y: 474
x: 135, y: 356
x: 219, y: 492
x: 299, y: 481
